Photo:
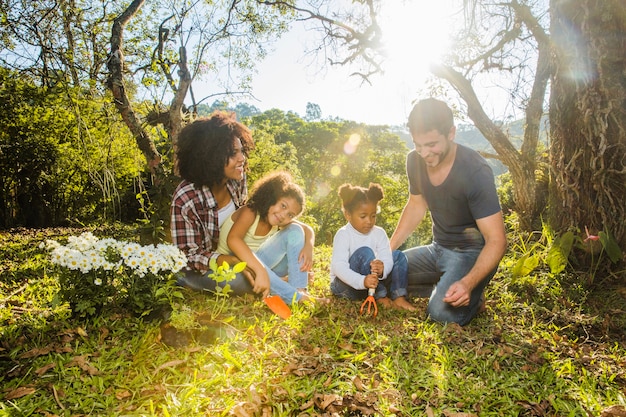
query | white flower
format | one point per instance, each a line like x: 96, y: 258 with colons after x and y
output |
x: 87, y: 253
x: 97, y: 281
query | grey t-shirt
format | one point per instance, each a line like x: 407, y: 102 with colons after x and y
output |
x: 467, y: 194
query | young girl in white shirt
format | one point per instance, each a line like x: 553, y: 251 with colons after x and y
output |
x: 362, y: 257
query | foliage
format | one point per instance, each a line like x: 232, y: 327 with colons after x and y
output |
x: 522, y: 357
x: 544, y: 249
x: 96, y: 274
x: 61, y: 160
x: 322, y: 155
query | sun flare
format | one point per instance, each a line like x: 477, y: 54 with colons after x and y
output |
x: 415, y: 34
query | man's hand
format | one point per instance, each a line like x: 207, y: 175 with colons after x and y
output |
x: 458, y: 295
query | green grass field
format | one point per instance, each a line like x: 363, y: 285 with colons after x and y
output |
x: 546, y: 346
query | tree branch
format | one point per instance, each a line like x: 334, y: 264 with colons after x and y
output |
x: 115, y: 82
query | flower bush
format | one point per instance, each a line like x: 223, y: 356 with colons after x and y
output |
x: 97, y: 273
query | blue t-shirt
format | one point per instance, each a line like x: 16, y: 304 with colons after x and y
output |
x: 467, y: 194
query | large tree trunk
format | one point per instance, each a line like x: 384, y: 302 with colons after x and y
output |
x: 588, y: 117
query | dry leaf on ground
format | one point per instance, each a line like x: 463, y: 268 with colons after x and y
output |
x: 19, y: 393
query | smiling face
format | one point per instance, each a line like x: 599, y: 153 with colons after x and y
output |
x: 283, y: 212
x: 434, y: 147
x: 363, y: 217
x: 235, y: 166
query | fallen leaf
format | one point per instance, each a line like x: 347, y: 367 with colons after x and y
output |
x: 307, y: 405
x: 121, y: 395
x: 614, y: 411
x: 157, y: 389
x: 33, y: 353
x: 169, y: 364
x: 82, y: 363
x: 45, y: 369
x: 19, y: 393
x: 347, y: 346
x: 63, y: 349
x: 244, y: 409
x: 104, y: 333
x: 358, y: 383
x: 327, y: 400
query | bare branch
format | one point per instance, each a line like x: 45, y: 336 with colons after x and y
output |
x: 362, y: 44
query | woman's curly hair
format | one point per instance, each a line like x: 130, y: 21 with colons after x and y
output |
x: 205, y: 145
x: 270, y: 188
x: 353, y: 196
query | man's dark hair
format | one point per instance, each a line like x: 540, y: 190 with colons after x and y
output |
x: 430, y: 114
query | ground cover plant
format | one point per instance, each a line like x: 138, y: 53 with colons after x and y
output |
x: 546, y: 346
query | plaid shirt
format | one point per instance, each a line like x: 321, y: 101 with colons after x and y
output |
x: 194, y: 221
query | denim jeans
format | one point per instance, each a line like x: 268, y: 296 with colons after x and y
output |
x: 279, y: 254
x: 441, y: 267
x: 394, y: 285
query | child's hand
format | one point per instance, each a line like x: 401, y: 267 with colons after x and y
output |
x: 306, y: 258
x: 377, y: 267
x: 262, y: 284
x: 370, y: 281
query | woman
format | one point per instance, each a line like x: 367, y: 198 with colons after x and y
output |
x: 212, y: 160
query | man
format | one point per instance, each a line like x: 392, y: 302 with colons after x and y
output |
x: 457, y: 186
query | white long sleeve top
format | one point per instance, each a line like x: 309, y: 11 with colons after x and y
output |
x: 346, y: 241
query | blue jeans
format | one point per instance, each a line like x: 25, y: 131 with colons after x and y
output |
x: 394, y: 285
x: 441, y: 267
x: 279, y: 254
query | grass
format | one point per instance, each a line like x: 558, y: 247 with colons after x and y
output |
x: 544, y: 347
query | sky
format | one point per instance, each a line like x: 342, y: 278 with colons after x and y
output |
x: 416, y: 33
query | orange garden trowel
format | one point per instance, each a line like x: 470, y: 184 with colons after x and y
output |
x: 278, y: 306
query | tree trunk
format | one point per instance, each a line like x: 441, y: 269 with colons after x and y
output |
x: 115, y: 83
x: 588, y: 117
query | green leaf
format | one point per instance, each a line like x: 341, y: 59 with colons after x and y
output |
x: 559, y: 252
x: 610, y: 246
x: 525, y: 265
x: 213, y: 264
x: 239, y: 267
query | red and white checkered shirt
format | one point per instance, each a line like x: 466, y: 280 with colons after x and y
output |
x: 194, y: 220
